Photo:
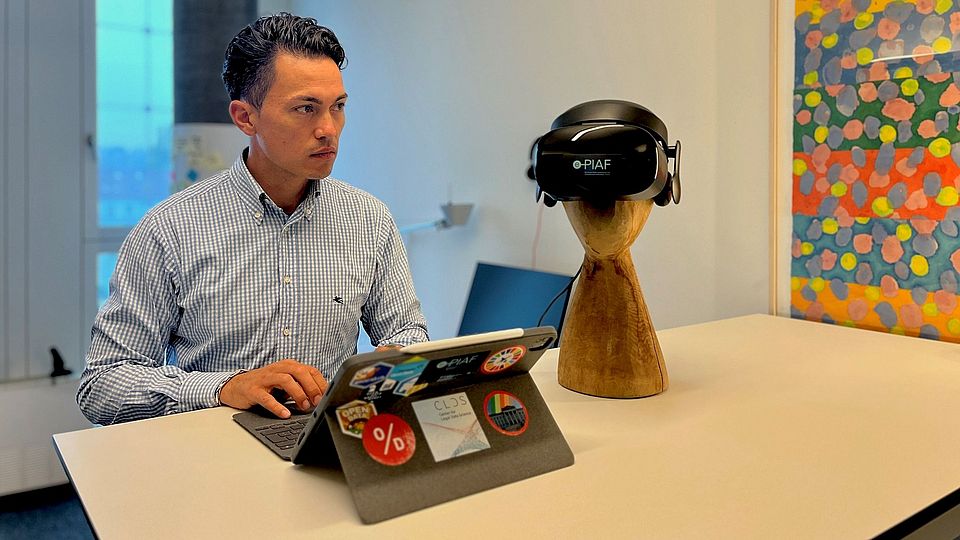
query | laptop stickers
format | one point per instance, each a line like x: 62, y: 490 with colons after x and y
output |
x: 506, y: 413
x: 389, y: 440
x: 371, y: 375
x: 450, y: 426
x: 353, y: 416
x: 502, y: 360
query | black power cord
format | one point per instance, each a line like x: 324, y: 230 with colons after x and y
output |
x: 559, y: 294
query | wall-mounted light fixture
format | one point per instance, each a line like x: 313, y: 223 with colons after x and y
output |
x: 454, y: 214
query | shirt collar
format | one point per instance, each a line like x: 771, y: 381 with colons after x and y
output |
x: 254, y: 197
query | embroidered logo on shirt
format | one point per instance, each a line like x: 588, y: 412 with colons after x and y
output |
x: 338, y: 299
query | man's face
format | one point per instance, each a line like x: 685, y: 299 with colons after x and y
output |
x: 297, y: 128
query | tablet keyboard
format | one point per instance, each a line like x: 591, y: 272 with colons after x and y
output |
x: 282, y: 435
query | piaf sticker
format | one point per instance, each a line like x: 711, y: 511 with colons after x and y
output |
x: 445, y: 370
x: 353, y: 417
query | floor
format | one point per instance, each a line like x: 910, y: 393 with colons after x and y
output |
x: 53, y: 512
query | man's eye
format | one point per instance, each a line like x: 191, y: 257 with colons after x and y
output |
x: 340, y: 106
x: 304, y: 109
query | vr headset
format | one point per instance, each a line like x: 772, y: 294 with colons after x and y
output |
x: 606, y: 150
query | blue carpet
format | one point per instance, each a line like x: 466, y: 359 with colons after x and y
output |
x: 53, y: 512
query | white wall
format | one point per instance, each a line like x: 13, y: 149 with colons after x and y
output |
x: 43, y: 162
x: 446, y: 97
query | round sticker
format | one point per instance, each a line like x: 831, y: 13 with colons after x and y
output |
x: 500, y: 361
x: 389, y: 440
x: 506, y: 413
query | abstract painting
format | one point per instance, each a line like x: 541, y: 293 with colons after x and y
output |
x: 876, y: 165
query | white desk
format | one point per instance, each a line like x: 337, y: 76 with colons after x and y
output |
x: 771, y: 428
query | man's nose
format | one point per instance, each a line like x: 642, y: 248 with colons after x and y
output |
x: 325, y: 127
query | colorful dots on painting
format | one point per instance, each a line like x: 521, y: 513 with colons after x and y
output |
x: 830, y: 41
x: 939, y: 147
x: 812, y: 99
x: 948, y: 196
x: 863, y: 243
x: 857, y: 309
x: 806, y: 248
x: 888, y: 134
x: 820, y: 134
x: 830, y: 226
x: 863, y: 20
x: 945, y: 301
x: 903, y: 73
x: 941, y: 45
x: 930, y: 309
x: 881, y: 207
x: 838, y: 190
x: 799, y: 167
x: 848, y: 261
x: 888, y: 317
x: 919, y: 265
x: 953, y: 326
x: 828, y: 259
x: 904, y: 232
x: 818, y: 284
x: 810, y: 78
x: 911, y: 316
x: 909, y: 87
x: 864, y: 56
x: 943, y: 6
x: 955, y: 260
x: 795, y: 283
x: 889, y: 286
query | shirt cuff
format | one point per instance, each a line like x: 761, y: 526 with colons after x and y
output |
x: 405, y: 337
x: 201, y: 389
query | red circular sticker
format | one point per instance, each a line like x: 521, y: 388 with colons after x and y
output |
x: 389, y: 440
x: 501, y: 360
x: 506, y: 413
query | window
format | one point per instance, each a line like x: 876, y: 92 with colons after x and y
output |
x: 134, y: 121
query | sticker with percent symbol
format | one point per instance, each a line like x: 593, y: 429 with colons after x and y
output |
x: 389, y: 440
x: 502, y: 360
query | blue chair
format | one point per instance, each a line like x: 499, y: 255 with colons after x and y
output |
x: 508, y: 297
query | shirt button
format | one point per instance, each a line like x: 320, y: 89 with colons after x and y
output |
x: 286, y: 331
x: 287, y: 279
x: 258, y: 215
x: 308, y: 210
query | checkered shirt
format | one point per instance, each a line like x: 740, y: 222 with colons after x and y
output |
x: 217, y: 279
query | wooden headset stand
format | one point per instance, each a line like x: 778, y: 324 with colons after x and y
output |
x: 609, y: 347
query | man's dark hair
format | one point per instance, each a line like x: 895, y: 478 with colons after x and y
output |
x: 248, y: 60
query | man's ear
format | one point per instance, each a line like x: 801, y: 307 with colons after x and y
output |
x: 244, y: 116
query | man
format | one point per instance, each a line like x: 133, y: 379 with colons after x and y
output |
x: 250, y: 284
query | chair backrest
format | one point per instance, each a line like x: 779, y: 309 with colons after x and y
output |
x: 506, y: 297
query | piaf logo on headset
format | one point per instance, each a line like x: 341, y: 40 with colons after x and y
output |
x: 606, y: 150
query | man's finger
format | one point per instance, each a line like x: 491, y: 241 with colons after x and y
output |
x: 305, y: 379
x: 321, y: 383
x: 293, y: 389
x: 269, y: 403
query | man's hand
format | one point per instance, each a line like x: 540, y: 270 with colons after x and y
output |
x: 303, y: 383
